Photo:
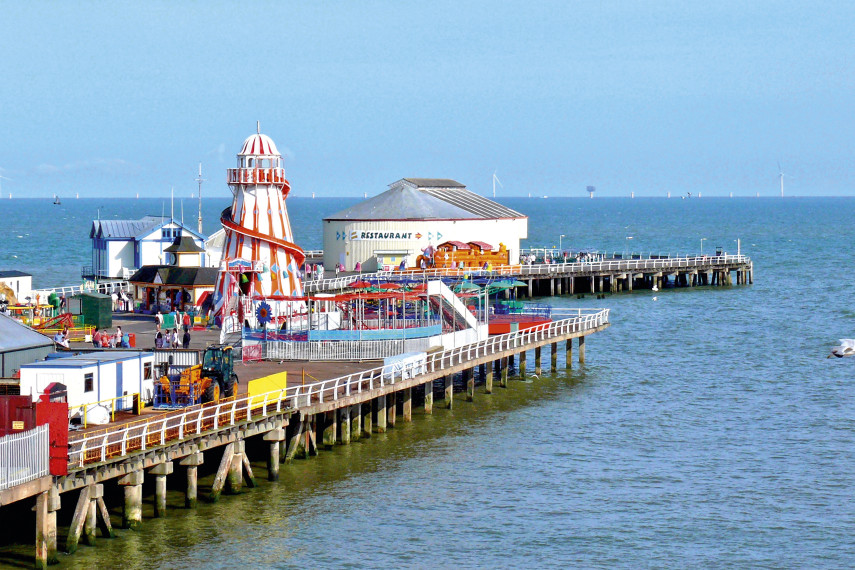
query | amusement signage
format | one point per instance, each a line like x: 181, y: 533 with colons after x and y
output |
x: 363, y: 235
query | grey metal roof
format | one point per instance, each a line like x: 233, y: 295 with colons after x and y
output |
x: 14, y: 273
x: 15, y: 336
x: 435, y: 183
x: 472, y: 202
x: 403, y: 203
x: 124, y: 228
x: 431, y: 199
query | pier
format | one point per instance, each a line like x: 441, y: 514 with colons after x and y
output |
x: 606, y: 276
x: 295, y: 422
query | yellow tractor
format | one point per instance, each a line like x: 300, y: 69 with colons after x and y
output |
x: 199, y: 384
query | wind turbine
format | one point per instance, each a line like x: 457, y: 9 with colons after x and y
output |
x: 496, y: 179
x: 781, y: 177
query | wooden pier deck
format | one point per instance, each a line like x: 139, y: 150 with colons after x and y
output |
x: 292, y: 421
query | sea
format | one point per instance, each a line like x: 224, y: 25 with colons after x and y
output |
x: 706, y: 430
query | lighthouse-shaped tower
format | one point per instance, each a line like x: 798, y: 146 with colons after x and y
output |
x: 260, y: 261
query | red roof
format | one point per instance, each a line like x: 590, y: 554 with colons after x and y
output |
x: 483, y: 245
x: 457, y: 244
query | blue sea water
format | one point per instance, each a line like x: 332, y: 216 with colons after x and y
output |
x: 707, y: 428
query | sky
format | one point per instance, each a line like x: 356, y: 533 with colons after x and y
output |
x: 119, y: 98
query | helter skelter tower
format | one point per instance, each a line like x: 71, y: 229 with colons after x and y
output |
x: 260, y: 260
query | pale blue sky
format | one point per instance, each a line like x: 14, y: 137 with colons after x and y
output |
x: 115, y: 98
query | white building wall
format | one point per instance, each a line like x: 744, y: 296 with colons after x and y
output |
x: 350, y: 241
x: 21, y: 286
x: 120, y: 255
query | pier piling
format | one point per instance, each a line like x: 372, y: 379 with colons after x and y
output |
x: 407, y: 412
x: 160, y: 473
x: 192, y: 463
x: 449, y: 391
x: 553, y: 357
x: 581, y: 350
x: 538, y: 369
x: 428, y: 397
x: 132, y: 506
x: 81, y: 513
x: 275, y: 437
x: 380, y: 410
x: 469, y: 379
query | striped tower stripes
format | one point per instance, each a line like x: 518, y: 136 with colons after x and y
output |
x: 260, y: 258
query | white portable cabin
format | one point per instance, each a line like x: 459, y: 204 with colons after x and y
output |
x: 93, y: 377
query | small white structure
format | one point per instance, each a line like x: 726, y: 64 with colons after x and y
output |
x: 414, y: 213
x: 214, y: 248
x: 19, y: 282
x: 94, y: 377
x: 120, y: 247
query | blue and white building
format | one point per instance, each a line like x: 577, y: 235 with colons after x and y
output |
x: 120, y: 247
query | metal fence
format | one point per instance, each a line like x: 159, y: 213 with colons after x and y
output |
x: 24, y: 456
x: 104, y: 286
x: 334, y: 350
x: 118, y: 441
x: 176, y: 359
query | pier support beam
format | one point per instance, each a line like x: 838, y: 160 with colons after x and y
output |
x: 503, y: 372
x: 330, y: 428
x: 47, y: 504
x: 222, y: 472
x: 90, y: 524
x: 449, y: 391
x: 344, y: 425
x: 274, y: 437
x: 192, y: 463
x: 407, y: 412
x: 568, y: 354
x: 488, y: 379
x: 469, y: 380
x: 132, y: 507
x: 581, y: 350
x: 81, y: 513
x: 553, y: 357
x: 391, y: 409
x: 530, y: 286
x: 429, y: 397
x: 160, y: 473
x: 538, y: 369
x: 234, y: 473
x: 103, y: 515
x: 356, y: 422
x: 367, y: 418
x: 294, y: 436
x: 380, y: 409
x: 522, y: 364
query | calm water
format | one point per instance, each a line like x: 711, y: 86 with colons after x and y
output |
x: 706, y: 430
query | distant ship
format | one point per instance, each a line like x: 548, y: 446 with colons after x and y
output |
x: 56, y: 200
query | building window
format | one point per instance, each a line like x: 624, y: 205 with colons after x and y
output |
x: 88, y: 382
x: 147, y: 371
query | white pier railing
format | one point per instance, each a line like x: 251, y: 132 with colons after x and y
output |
x: 118, y: 441
x: 701, y: 262
x: 24, y: 457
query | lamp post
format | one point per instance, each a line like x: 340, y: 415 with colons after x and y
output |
x: 561, y: 237
x: 702, y: 246
x: 626, y: 247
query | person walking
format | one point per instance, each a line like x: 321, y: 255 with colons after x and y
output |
x: 186, y: 322
x: 174, y: 339
x: 185, y: 342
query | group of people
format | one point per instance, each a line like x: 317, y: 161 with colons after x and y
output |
x: 61, y: 337
x: 170, y: 339
x: 103, y: 339
x: 179, y: 318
